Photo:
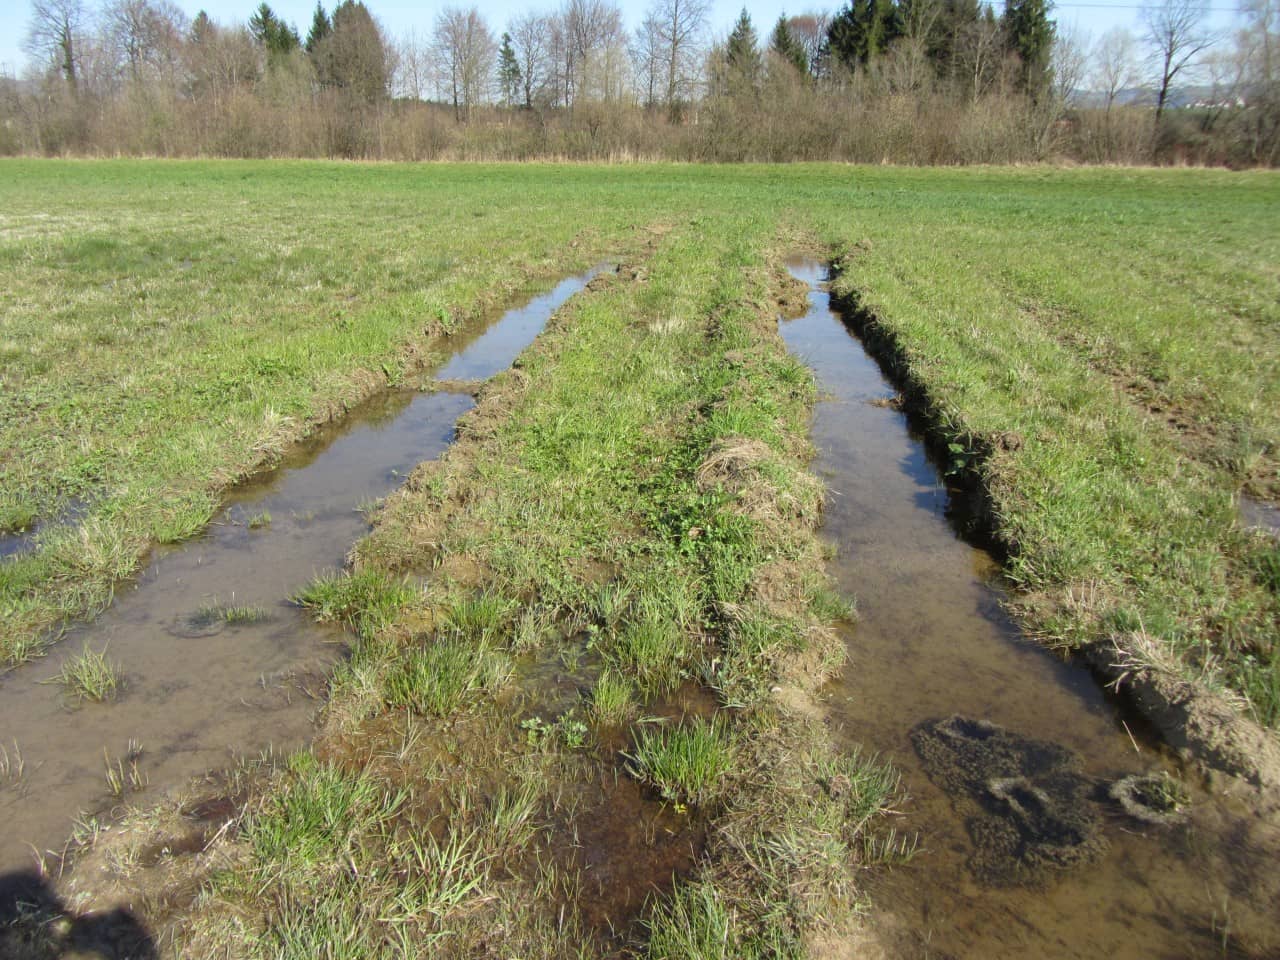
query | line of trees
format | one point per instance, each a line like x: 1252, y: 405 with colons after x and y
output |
x: 925, y: 81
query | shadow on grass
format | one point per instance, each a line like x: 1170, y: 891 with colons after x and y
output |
x: 36, y: 925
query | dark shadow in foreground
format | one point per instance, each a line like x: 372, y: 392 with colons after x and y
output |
x: 36, y: 925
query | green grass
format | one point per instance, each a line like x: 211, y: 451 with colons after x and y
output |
x: 437, y: 677
x: 89, y: 675
x: 1099, y: 345
x: 1105, y: 346
x: 612, y: 700
x: 686, y: 764
x: 245, y: 614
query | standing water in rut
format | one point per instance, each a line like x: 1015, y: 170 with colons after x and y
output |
x: 216, y: 663
x: 1010, y: 757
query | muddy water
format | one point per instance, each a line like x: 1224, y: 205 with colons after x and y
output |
x: 1257, y: 515
x: 932, y: 641
x: 200, y: 691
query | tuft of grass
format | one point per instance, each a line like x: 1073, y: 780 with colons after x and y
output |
x: 830, y: 607
x: 123, y: 775
x: 245, y: 614
x: 694, y: 923
x: 12, y: 766
x: 260, y: 520
x: 367, y: 601
x: 612, y: 700
x: 481, y: 615
x: 317, y: 815
x: 863, y: 786
x: 889, y: 848
x: 438, y: 675
x: 89, y: 675
x: 654, y: 649
x: 687, y: 763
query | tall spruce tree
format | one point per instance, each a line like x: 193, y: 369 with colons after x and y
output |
x: 509, y: 77
x: 1028, y: 32
x: 278, y: 37
x: 863, y: 30
x: 784, y: 43
x: 742, y: 53
x: 321, y: 27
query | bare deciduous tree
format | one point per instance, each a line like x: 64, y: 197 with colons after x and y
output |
x: 978, y: 51
x: 145, y: 38
x: 413, y: 66
x: 54, y: 36
x: 531, y: 37
x: 1115, y: 66
x: 680, y: 27
x: 1175, y: 33
x: 219, y: 60
x: 810, y: 31
x: 1259, y: 45
x: 594, y: 45
x: 464, y: 50
x: 1069, y: 60
x: 646, y: 56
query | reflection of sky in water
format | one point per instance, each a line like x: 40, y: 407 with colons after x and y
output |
x: 504, y: 341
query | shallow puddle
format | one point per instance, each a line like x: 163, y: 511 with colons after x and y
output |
x: 217, y: 663
x: 934, y: 655
x: 1257, y: 515
x: 16, y: 542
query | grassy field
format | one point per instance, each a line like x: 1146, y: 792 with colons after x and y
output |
x: 629, y: 507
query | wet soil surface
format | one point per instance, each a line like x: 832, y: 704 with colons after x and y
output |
x: 217, y: 663
x: 1259, y: 515
x: 1015, y: 762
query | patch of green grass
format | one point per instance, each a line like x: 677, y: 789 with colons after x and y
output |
x: 653, y: 649
x: 612, y: 700
x: 366, y: 601
x: 150, y: 360
x: 687, y: 763
x: 437, y: 675
x: 318, y: 815
x: 482, y: 615
x: 695, y: 923
x: 89, y: 675
x: 259, y: 520
x: 245, y: 614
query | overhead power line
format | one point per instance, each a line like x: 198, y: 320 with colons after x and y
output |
x: 1114, y: 6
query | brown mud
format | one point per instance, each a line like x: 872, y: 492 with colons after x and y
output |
x: 217, y: 663
x: 934, y: 651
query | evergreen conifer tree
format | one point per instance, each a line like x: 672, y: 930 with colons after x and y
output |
x: 278, y: 37
x: 786, y: 46
x: 509, y: 76
x: 742, y: 54
x: 1028, y: 32
x: 320, y: 28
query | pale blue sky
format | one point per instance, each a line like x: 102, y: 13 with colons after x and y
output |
x: 399, y: 16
